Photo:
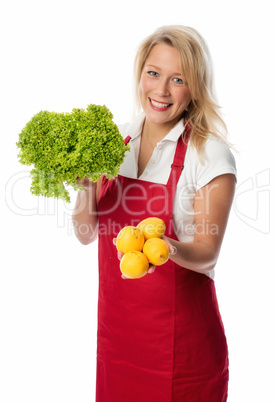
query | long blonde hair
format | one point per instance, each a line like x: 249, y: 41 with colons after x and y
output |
x: 203, y: 112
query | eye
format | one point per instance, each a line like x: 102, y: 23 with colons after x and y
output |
x: 152, y: 73
x: 178, y: 80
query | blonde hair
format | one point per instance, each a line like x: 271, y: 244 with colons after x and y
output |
x: 203, y: 112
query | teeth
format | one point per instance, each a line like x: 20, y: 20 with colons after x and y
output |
x: 159, y: 105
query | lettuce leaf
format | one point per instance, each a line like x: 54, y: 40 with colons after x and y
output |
x: 62, y: 146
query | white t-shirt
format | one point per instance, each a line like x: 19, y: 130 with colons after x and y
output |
x: 218, y: 160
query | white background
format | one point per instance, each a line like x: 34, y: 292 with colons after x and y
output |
x: 57, y: 55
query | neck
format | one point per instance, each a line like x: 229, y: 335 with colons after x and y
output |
x: 156, y: 132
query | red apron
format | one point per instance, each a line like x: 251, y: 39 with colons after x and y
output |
x: 161, y: 337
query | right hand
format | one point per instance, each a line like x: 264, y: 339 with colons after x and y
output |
x: 86, y: 183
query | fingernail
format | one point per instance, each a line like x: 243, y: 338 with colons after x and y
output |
x: 173, y: 251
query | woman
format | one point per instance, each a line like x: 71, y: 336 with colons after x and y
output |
x: 161, y: 338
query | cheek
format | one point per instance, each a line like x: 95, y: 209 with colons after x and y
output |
x: 140, y: 90
x: 144, y: 86
x: 183, y: 95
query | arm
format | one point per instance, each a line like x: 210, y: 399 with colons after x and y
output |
x: 85, y: 216
x: 211, y: 207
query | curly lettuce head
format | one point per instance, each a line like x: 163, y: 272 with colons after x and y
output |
x: 62, y: 146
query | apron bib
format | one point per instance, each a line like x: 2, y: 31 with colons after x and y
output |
x: 160, y: 338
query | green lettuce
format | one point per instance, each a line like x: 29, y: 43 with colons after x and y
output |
x: 62, y: 146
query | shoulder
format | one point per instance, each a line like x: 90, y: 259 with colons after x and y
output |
x: 217, y: 149
x: 217, y: 160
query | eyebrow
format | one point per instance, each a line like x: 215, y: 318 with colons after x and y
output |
x: 158, y: 68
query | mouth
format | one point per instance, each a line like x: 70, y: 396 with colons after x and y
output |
x: 159, y: 106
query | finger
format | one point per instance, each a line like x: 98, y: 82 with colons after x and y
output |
x: 151, y: 269
x: 173, y: 250
x: 114, y: 241
x: 120, y: 255
x: 124, y: 277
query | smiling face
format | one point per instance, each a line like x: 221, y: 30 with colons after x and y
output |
x: 163, y: 91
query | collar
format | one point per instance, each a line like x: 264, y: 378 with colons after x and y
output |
x: 135, y: 128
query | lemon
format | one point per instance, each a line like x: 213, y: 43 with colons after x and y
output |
x: 156, y: 250
x: 134, y: 264
x: 152, y: 227
x: 130, y: 238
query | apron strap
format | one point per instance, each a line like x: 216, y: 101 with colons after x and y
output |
x: 178, y: 162
x: 127, y: 139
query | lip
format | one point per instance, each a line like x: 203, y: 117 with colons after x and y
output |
x: 159, y: 109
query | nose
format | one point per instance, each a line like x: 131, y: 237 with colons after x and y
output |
x: 162, y: 88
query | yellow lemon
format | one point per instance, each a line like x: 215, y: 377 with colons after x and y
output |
x: 152, y: 227
x: 130, y: 238
x: 134, y: 264
x: 156, y: 250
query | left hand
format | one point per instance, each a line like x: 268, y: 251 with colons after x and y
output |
x: 152, y: 268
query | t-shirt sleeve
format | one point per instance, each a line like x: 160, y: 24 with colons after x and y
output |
x: 218, y: 160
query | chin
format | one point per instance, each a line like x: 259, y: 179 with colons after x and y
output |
x: 158, y: 120
x: 154, y: 118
